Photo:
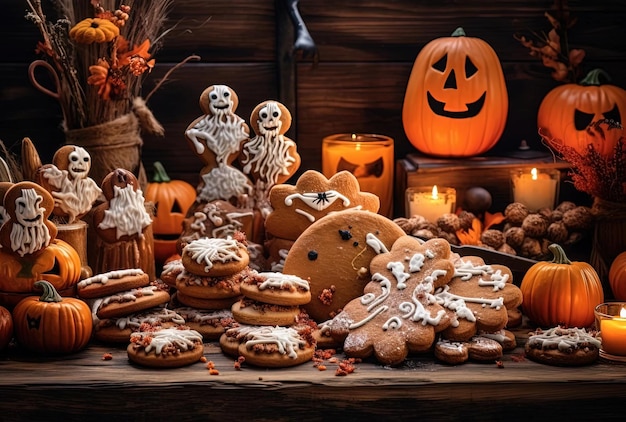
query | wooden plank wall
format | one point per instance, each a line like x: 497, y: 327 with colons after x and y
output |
x: 366, y: 50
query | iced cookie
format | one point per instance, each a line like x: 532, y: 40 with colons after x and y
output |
x: 296, y: 207
x: 563, y: 346
x: 111, y: 282
x: 130, y: 301
x: 166, y: 348
x: 334, y: 255
x: 118, y: 330
x: 277, y: 288
x: 252, y: 312
x: 276, y: 347
x: 215, y: 256
x: 206, y: 287
x: 210, y: 323
x: 181, y: 299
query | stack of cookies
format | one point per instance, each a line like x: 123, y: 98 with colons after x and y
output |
x: 207, y: 279
x: 270, y: 333
x: 121, y: 294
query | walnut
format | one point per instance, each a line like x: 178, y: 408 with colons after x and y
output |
x: 514, y: 237
x: 546, y: 212
x: 557, y: 215
x: 531, y: 248
x: 493, y: 238
x: 557, y: 232
x: 449, y: 223
x: 465, y: 219
x: 424, y: 234
x: 409, y: 224
x: 450, y: 237
x: 506, y: 248
x: 515, y: 213
x: 535, y: 225
x: 565, y: 206
x: 579, y: 218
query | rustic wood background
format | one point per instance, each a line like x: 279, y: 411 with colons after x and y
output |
x: 366, y: 49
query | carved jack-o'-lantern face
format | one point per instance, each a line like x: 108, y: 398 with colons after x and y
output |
x: 456, y: 102
x: 567, y: 111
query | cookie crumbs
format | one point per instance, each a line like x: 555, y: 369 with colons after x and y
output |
x: 107, y: 356
x: 499, y: 364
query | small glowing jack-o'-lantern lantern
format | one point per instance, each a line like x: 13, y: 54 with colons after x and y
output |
x: 568, y: 110
x: 456, y: 102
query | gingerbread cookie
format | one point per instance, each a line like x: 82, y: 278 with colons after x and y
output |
x: 131, y: 301
x: 206, y: 287
x: 111, y: 282
x: 118, y: 330
x: 276, y: 347
x: 477, y: 349
x: 334, y: 255
x: 397, y: 313
x: 215, y: 256
x: 210, y: 323
x: 166, y: 347
x: 181, y: 299
x: 171, y: 270
x: 277, y: 288
x: 252, y: 312
x: 477, y: 298
x: 563, y: 346
x: 297, y: 207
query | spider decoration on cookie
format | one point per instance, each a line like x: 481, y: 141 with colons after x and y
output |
x: 217, y: 138
x: 67, y: 179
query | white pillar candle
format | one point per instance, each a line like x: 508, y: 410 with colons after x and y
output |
x: 430, y: 203
x: 535, y: 188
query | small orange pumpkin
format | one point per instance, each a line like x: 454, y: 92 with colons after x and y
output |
x: 567, y: 111
x: 456, y: 102
x: 172, y: 199
x: 6, y: 328
x: 561, y: 292
x: 617, y: 277
x: 58, y: 263
x: 51, y: 323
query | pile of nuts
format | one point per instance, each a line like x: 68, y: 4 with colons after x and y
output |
x: 522, y: 233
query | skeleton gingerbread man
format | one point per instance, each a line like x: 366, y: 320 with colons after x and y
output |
x: 123, y: 226
x: 67, y: 180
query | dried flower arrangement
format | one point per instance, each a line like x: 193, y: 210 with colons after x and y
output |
x: 100, y: 53
x: 603, y: 176
x: 553, y: 48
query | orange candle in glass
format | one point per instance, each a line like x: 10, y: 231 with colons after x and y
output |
x: 369, y: 157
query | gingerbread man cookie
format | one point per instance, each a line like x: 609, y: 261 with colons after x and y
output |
x: 397, y: 313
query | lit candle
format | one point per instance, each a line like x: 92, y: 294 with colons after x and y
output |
x: 613, y: 333
x: 369, y: 157
x: 536, y: 189
x: 430, y: 203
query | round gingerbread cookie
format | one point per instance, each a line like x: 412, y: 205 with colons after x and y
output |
x: 181, y: 299
x: 251, y: 312
x: 210, y: 323
x: 451, y: 352
x: 276, y: 347
x: 334, y: 254
x: 215, y: 256
x: 505, y: 337
x: 277, y: 288
x: 171, y: 270
x: 207, y: 287
x: 563, y: 346
x: 106, y: 284
x: 118, y: 330
x: 483, y: 349
x: 131, y: 301
x: 233, y: 336
x: 166, y: 348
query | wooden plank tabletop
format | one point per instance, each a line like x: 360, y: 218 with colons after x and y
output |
x: 84, y: 384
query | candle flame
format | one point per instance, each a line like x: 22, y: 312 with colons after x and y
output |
x: 533, y: 173
x: 358, y: 144
x: 622, y: 313
x: 435, y: 192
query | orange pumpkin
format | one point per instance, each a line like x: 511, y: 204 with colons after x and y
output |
x: 567, y: 111
x: 561, y: 292
x: 617, y: 277
x: 51, y: 323
x: 58, y: 263
x: 172, y: 199
x: 456, y: 102
x: 6, y: 328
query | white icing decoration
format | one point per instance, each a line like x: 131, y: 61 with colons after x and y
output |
x: 29, y: 232
x: 207, y: 250
x: 318, y: 200
x: 287, y: 339
x: 126, y: 213
x: 202, y: 316
x: 223, y: 182
x: 466, y: 270
x: 565, y: 339
x: 397, y: 269
x: 498, y: 281
x: 151, y: 317
x: 105, y: 277
x: 282, y: 281
x: 452, y: 301
x: 416, y: 262
x: 375, y: 243
x: 393, y: 323
x: 181, y: 339
x: 307, y: 215
x: 278, y: 266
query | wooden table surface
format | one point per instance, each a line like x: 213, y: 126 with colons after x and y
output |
x: 83, y: 385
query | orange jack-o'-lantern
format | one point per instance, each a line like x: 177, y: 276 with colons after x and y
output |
x: 456, y: 102
x: 567, y: 111
x: 171, y: 199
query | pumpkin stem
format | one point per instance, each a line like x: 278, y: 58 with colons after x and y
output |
x: 559, y: 254
x: 50, y: 294
x: 593, y: 78
x: 160, y: 175
x: 459, y: 32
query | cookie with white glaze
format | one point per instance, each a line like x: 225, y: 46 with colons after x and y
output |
x: 252, y: 312
x: 276, y: 288
x: 166, y: 348
x: 561, y: 346
x: 106, y: 284
x: 215, y: 256
x: 210, y: 323
x: 130, y: 301
x: 276, y: 347
x: 212, y: 287
x: 118, y: 330
x: 334, y: 255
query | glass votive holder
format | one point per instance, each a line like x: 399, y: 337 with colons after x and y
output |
x: 431, y: 202
x: 611, y: 322
x: 535, y: 188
